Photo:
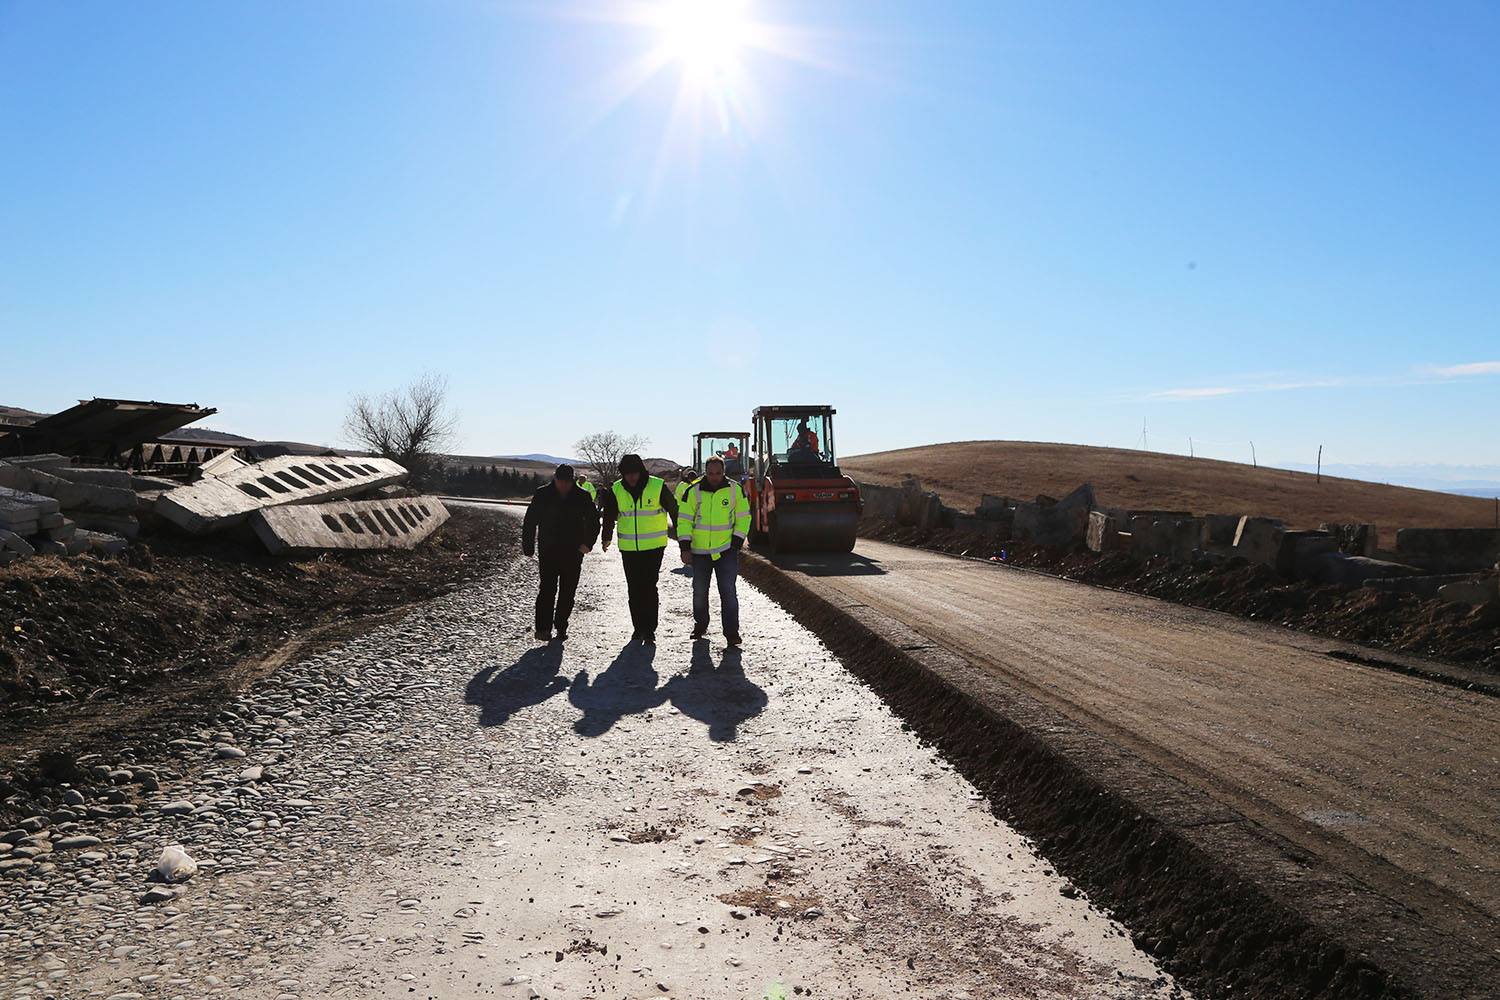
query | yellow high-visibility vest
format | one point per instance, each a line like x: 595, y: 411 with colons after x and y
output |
x: 590, y: 489
x: 712, y: 519
x: 641, y: 526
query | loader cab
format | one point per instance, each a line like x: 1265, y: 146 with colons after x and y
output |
x: 732, y: 446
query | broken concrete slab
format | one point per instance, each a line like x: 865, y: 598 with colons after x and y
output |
x: 1221, y: 529
x: 1355, y: 539
x: 1061, y: 523
x: 101, y: 543
x: 1470, y: 592
x: 1104, y: 533
x: 20, y: 509
x: 349, y: 524
x: 228, y: 499
x: 1346, y: 570
x: 15, y: 543
x: 124, y: 525
x: 68, y: 494
x: 1258, y: 539
x: 1449, y: 550
x: 1300, y: 550
x: 224, y: 461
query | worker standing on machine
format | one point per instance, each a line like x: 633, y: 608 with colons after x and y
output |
x: 711, y: 528
x: 644, y: 509
x: 734, y: 466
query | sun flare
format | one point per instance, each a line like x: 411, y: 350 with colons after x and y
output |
x: 704, y: 37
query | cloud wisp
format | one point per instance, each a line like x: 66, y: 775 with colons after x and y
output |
x: 1245, y: 385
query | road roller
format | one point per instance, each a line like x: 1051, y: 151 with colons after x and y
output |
x: 732, y: 446
x: 799, y: 500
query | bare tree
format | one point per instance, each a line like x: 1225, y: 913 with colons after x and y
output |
x: 409, y: 425
x: 602, y: 451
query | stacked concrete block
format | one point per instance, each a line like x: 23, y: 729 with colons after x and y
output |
x: 1354, y: 571
x: 349, y: 524
x: 1221, y: 529
x: 1355, y: 539
x: 1258, y: 539
x: 21, y: 512
x: 221, y: 501
x: 1104, y: 533
x: 1062, y: 523
x: 1483, y: 591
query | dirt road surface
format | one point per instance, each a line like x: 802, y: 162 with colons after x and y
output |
x: 1392, y: 779
x: 443, y: 808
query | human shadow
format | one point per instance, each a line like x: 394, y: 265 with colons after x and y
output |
x: 626, y: 687
x: 718, y: 695
x: 531, y: 680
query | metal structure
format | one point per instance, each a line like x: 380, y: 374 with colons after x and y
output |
x: 111, y: 431
x: 799, y: 500
x: 732, y: 446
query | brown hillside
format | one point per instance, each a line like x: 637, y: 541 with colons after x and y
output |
x: 962, y: 470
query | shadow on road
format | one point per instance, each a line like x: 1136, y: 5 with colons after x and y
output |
x: 626, y: 687
x: 531, y: 680
x: 717, y: 695
x: 829, y: 564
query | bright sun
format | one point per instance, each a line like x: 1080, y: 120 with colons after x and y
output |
x: 704, y: 37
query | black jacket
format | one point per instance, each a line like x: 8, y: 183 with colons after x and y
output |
x: 610, y: 507
x: 564, y: 523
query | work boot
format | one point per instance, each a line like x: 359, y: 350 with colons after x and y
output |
x: 734, y: 640
x: 543, y: 635
x: 648, y: 638
x: 699, y: 633
x: 562, y: 635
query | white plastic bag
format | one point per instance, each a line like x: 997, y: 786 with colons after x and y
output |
x: 175, y: 865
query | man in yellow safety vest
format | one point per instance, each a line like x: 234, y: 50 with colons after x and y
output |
x: 685, y: 480
x: 644, y: 509
x: 589, y: 488
x: 712, y: 524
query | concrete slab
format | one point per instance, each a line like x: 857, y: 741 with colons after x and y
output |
x: 223, y: 462
x: 68, y: 494
x: 18, y: 507
x: 228, y: 499
x: 102, y: 543
x: 349, y: 524
x: 1449, y: 550
x: 15, y: 543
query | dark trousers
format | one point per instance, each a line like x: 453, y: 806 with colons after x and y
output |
x: 641, y: 571
x: 726, y: 568
x: 554, y: 598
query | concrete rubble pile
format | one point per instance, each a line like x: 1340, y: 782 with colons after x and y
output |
x: 49, y: 506
x: 1451, y: 564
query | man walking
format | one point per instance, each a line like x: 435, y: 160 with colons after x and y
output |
x: 711, y: 528
x: 644, y: 509
x: 561, y: 525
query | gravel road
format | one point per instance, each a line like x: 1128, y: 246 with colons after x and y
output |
x: 1393, y: 779
x: 444, y: 808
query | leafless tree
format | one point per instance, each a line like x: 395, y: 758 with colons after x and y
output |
x: 411, y: 425
x: 602, y: 451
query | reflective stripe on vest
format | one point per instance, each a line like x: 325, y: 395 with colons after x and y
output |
x: 644, y: 527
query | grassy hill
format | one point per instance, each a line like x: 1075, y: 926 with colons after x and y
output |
x: 962, y: 470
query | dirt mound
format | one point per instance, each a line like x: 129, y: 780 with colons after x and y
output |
x: 961, y: 471
x: 1455, y: 633
x: 75, y: 630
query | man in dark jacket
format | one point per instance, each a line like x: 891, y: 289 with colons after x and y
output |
x: 561, y: 525
x: 645, y: 511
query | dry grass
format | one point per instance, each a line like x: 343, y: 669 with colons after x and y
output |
x: 962, y: 470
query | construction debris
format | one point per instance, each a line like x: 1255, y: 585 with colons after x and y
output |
x: 102, y: 430
x: 227, y: 499
x: 357, y: 524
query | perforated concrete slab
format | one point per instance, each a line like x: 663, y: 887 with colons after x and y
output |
x: 229, y: 498
x: 350, y: 524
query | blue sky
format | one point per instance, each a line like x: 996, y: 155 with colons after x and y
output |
x: 1276, y: 222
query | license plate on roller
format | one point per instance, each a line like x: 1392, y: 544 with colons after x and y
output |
x: 823, y: 496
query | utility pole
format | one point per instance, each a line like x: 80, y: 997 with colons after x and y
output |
x: 1252, y: 455
x: 1145, y: 441
x: 1320, y: 464
x: 1190, y: 447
